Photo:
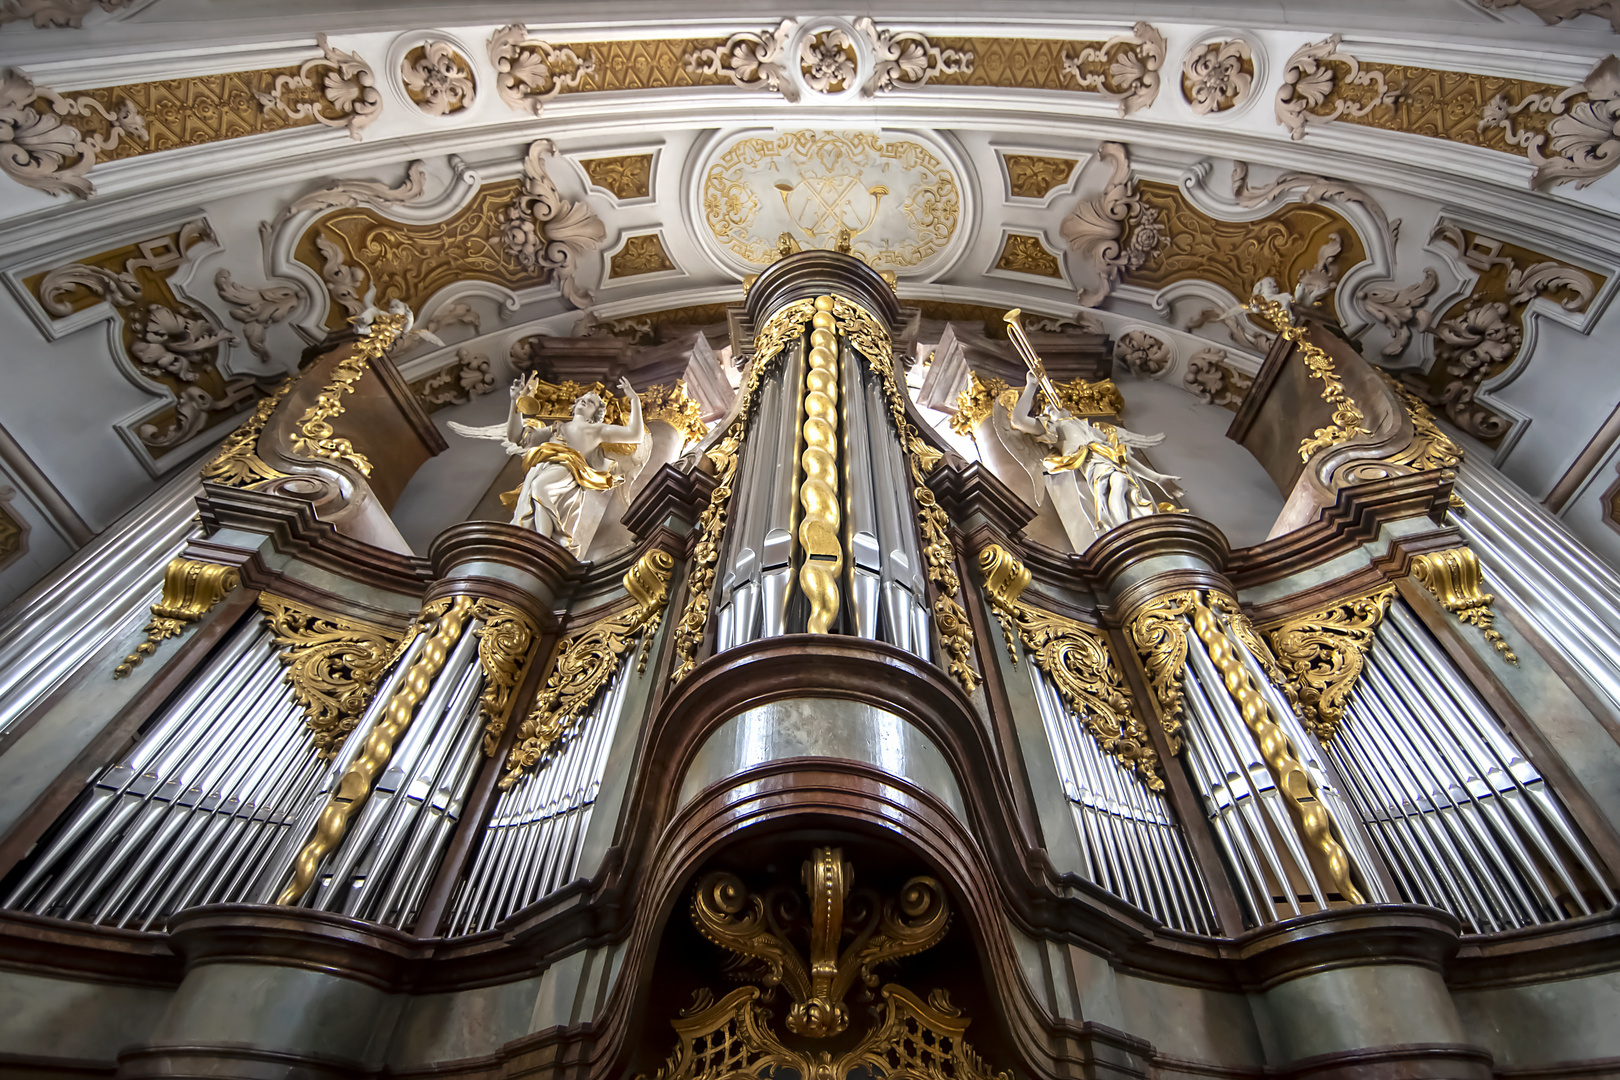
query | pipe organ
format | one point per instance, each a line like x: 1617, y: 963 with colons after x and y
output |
x: 829, y: 716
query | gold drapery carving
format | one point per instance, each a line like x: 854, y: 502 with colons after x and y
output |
x: 871, y: 339
x: 333, y: 665
x: 818, y: 482
x: 586, y: 662
x: 1456, y: 579
x: 1347, y: 417
x: 190, y: 591
x: 1159, y: 632
x: 1077, y: 660
x: 1324, y: 652
x: 1286, y: 769
x: 505, y: 636
x: 447, y: 618
x: 784, y: 326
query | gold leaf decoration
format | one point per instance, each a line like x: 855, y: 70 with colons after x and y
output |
x: 1032, y: 177
x: 586, y: 662
x: 505, y: 636
x: 238, y: 464
x: 1027, y: 255
x: 628, y: 176
x: 1159, y: 632
x: 1347, y: 416
x: 1077, y: 660
x: 191, y: 589
x: 333, y: 665
x: 642, y: 254
x: 1456, y: 579
x: 1325, y: 652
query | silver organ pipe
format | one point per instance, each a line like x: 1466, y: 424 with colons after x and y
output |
x: 530, y: 845
x: 1464, y: 820
x: 186, y: 816
x: 1132, y: 844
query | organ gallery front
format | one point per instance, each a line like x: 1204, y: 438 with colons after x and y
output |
x: 839, y: 595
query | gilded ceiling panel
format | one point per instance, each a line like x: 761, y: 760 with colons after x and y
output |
x: 628, y: 176
x: 1030, y: 176
x: 640, y: 255
x: 192, y: 111
x: 644, y: 65
x: 1021, y: 63
x: 1442, y: 104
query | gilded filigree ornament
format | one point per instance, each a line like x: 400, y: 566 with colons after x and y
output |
x: 1159, y: 633
x: 1313, y: 81
x: 1430, y: 448
x: 1212, y: 378
x: 437, y: 78
x: 872, y: 340
x: 505, y: 636
x: 1582, y: 132
x: 45, y: 152
x: 1347, y: 416
x: 315, y: 436
x: 348, y: 97
x: 728, y: 914
x: 905, y: 58
x: 1324, y: 652
x: 586, y: 662
x: 1456, y: 579
x: 443, y: 621
x: 544, y: 232
x: 628, y: 176
x: 1027, y: 255
x: 1292, y: 779
x: 675, y: 406
x: 1114, y: 232
x: 530, y: 73
x: 750, y: 59
x: 643, y: 254
x: 1077, y: 660
x: 1125, y: 69
x: 191, y: 589
x: 238, y: 464
x: 333, y: 663
x: 1217, y: 76
x: 975, y: 404
x: 1033, y: 177
x: 786, y: 325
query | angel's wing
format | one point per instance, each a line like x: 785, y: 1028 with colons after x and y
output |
x: 1028, y: 450
x: 628, y: 460
x: 1131, y: 438
x: 496, y: 432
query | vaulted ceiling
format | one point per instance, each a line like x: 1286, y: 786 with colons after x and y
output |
x: 195, y: 192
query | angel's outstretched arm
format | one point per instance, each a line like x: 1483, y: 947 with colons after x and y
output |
x: 631, y: 431
x: 1019, y: 415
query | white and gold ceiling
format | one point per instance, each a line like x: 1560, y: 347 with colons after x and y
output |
x: 193, y: 193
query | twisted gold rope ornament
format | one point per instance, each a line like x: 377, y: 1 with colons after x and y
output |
x: 1286, y: 769
x: 818, y: 491
x: 355, y: 787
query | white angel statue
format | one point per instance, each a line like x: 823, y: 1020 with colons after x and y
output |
x: 1060, y: 448
x: 566, y: 459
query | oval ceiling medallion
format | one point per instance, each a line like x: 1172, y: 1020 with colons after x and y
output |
x: 900, y: 199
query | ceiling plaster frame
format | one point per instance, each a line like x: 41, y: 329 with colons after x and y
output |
x: 1069, y: 187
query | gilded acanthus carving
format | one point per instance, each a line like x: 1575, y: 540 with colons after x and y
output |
x: 238, y: 464
x: 1347, y: 415
x: 1217, y: 76
x: 1310, y: 81
x: 905, y: 58
x: 1324, y: 653
x: 191, y: 589
x: 341, y: 194
x: 1077, y: 660
x: 1114, y: 232
x: 43, y: 151
x: 257, y: 309
x: 1212, y: 378
x: 1125, y: 69
x: 1430, y: 448
x: 530, y: 73
x: 333, y: 665
x: 675, y: 406
x: 437, y: 78
x: 348, y: 96
x: 643, y: 254
x: 315, y: 436
x: 751, y: 59
x: 1455, y: 578
x: 1142, y: 352
x: 55, y: 14
x: 1552, y: 12
x: 586, y: 662
x: 505, y: 635
x: 1159, y: 632
x: 1584, y: 132
x: 1400, y: 311
x: 1027, y: 255
x: 752, y: 927
x: 543, y: 231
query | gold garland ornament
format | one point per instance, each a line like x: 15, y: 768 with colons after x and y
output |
x: 354, y: 788
x: 316, y: 437
x: 333, y: 666
x: 783, y: 327
x: 872, y: 340
x: 1325, y: 653
x: 504, y: 637
x: 1291, y: 778
x: 238, y: 463
x: 1456, y: 579
x: 1076, y: 658
x: 190, y: 591
x: 1347, y: 417
x: 818, y: 485
x: 586, y: 663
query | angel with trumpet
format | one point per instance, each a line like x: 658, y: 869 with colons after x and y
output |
x: 1061, y: 449
x: 567, y: 459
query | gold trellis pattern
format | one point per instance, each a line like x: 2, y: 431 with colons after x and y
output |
x: 1012, y: 63
x: 643, y: 65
